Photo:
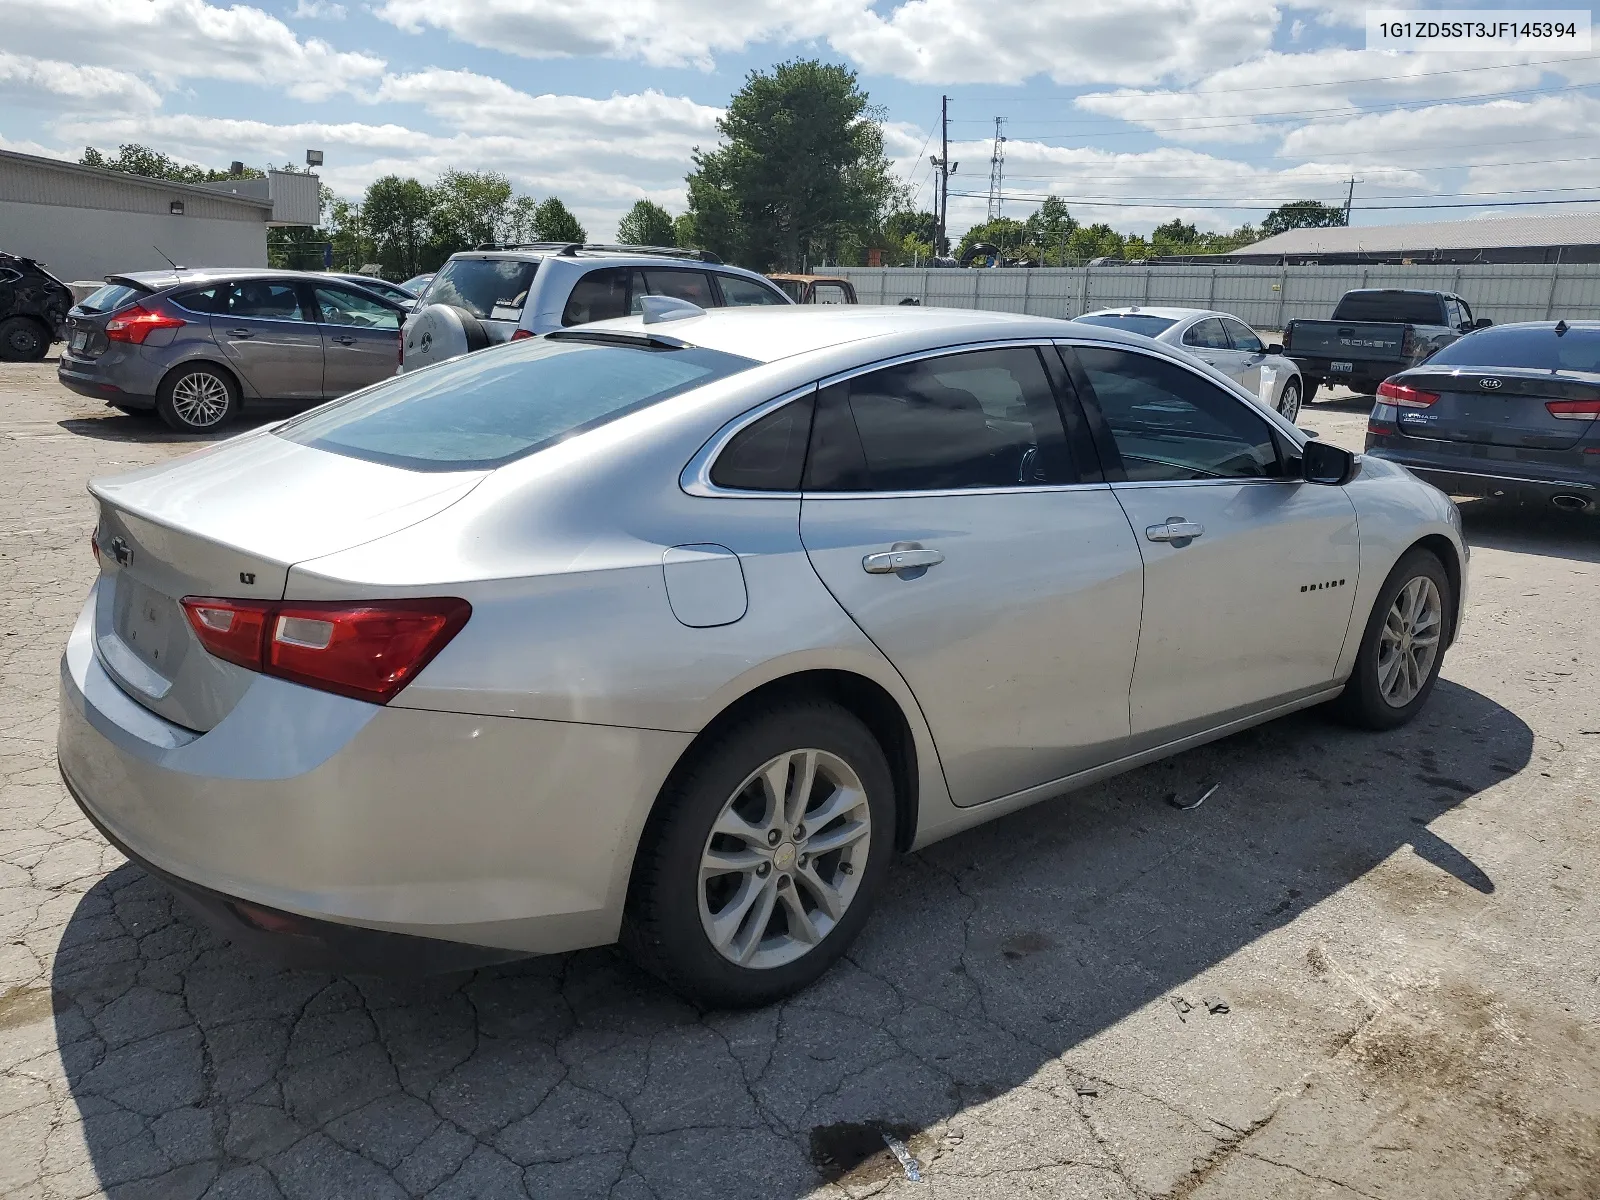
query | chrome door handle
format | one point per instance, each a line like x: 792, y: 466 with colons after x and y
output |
x: 1174, y: 529
x: 345, y: 340
x: 886, y: 562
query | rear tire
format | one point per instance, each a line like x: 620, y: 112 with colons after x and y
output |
x: 197, y: 398
x: 1289, y: 402
x: 1402, y: 647
x: 757, y: 926
x: 22, y: 339
x: 1310, y: 394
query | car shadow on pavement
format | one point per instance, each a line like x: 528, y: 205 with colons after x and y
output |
x: 994, y: 959
x: 147, y: 427
x: 1539, y: 529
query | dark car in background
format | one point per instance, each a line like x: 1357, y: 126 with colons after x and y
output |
x: 33, y: 307
x: 1510, y: 412
x: 1373, y: 333
x: 197, y: 345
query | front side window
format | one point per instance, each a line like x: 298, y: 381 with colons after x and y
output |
x: 487, y: 409
x: 738, y: 292
x: 265, y: 299
x: 488, y: 288
x: 339, y: 307
x: 983, y: 419
x: 1170, y: 424
x: 598, y: 296
x: 1242, y: 337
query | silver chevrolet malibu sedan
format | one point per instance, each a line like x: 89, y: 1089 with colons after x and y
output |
x: 675, y: 629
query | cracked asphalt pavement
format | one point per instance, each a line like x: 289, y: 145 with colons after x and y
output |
x: 1366, y: 966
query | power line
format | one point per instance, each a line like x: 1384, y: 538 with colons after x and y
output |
x: 1526, y: 162
x: 1232, y: 207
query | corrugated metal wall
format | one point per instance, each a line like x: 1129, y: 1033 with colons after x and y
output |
x: 30, y: 182
x: 1266, y: 297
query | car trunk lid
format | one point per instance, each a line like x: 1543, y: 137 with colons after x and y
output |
x: 1503, y: 406
x: 190, y: 529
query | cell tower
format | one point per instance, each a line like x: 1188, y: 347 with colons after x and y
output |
x: 997, y: 168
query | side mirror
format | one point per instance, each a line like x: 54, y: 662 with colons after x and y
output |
x: 1322, y: 463
x: 1482, y: 323
x: 1275, y: 348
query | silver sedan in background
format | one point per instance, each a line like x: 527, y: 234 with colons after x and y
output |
x: 677, y: 628
x: 1220, y: 340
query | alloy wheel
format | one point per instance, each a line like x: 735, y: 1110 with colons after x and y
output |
x: 200, y: 399
x: 1409, y: 642
x: 784, y: 858
x: 1289, y: 405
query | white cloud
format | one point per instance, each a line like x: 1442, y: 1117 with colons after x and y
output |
x: 49, y: 83
x: 317, y: 10
x: 172, y: 40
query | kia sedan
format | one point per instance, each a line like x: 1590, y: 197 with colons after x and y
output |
x: 678, y: 630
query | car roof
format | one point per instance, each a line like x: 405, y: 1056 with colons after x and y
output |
x: 1146, y: 310
x: 614, y: 256
x: 167, y: 278
x: 767, y: 334
x: 808, y: 278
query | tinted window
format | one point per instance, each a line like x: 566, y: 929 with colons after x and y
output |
x: 1242, y: 337
x: 1411, y: 307
x: 1132, y: 322
x: 486, y: 409
x: 738, y: 291
x: 793, y: 287
x: 204, y: 300
x: 983, y: 419
x: 109, y: 298
x: 495, y: 288
x: 339, y: 307
x: 1169, y: 423
x: 829, y: 293
x: 1208, y: 335
x: 266, y: 300
x: 1452, y: 313
x: 598, y: 296
x: 1536, y: 346
x: 692, y: 286
x: 768, y: 455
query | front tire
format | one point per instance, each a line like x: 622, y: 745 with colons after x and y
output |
x: 22, y: 339
x: 764, y: 857
x: 1289, y: 402
x: 197, y: 398
x: 1403, y: 646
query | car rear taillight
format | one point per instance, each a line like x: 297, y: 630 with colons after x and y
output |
x: 94, y: 545
x: 367, y: 650
x: 1574, y: 410
x: 1405, y: 396
x: 136, y: 324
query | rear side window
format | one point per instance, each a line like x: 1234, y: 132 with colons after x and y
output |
x: 265, y: 300
x: 598, y: 296
x: 693, y: 286
x: 1535, y: 346
x: 488, y: 288
x: 204, y: 300
x: 1410, y: 307
x: 490, y: 408
x: 112, y: 297
x: 738, y: 292
x: 768, y: 455
x: 986, y: 418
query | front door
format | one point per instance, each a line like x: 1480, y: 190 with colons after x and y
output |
x: 270, y: 339
x: 1248, y: 353
x: 942, y: 511
x: 1248, y: 574
x: 360, y: 339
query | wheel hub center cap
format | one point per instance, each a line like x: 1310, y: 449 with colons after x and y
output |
x: 783, y: 857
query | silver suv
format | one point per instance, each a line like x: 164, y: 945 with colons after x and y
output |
x: 526, y: 290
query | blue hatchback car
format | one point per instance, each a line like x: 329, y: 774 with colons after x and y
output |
x: 197, y: 345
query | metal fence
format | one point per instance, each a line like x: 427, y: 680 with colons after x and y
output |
x: 1265, y: 297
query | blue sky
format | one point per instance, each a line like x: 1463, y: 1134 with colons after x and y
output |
x: 1136, y: 111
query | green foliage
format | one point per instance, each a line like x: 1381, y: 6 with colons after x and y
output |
x: 898, y: 226
x: 552, y: 222
x: 645, y: 224
x: 684, y: 232
x: 1301, y: 214
x: 1008, y: 235
x: 469, y: 208
x: 135, y: 159
x: 801, y: 177
x: 397, y: 215
x: 519, y: 225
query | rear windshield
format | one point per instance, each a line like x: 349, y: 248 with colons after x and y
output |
x: 1409, y: 307
x: 1533, y: 346
x: 488, y: 288
x: 490, y: 408
x: 111, y: 297
x: 1132, y: 322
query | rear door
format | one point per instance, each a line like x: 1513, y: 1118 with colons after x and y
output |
x: 1248, y: 575
x: 271, y: 338
x: 360, y: 339
x: 1012, y: 610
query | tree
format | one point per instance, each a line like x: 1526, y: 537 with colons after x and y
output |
x: 135, y: 159
x: 1301, y: 214
x: 1009, y: 236
x: 1048, y: 227
x: 553, y: 222
x: 519, y: 222
x: 646, y: 224
x: 801, y: 173
x: 684, y: 232
x: 469, y: 208
x: 396, y: 217
x: 1094, y: 241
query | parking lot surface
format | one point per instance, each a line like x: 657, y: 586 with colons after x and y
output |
x: 1368, y: 965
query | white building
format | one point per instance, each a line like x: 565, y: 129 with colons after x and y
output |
x: 85, y: 223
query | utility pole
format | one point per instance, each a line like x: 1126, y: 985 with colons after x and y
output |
x: 941, y: 196
x: 1350, y: 199
x: 997, y: 169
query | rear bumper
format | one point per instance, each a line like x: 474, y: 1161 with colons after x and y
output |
x: 1363, y: 375
x: 81, y: 376
x: 319, y: 824
x: 1504, y: 480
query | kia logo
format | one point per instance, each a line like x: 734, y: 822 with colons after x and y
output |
x: 1489, y: 385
